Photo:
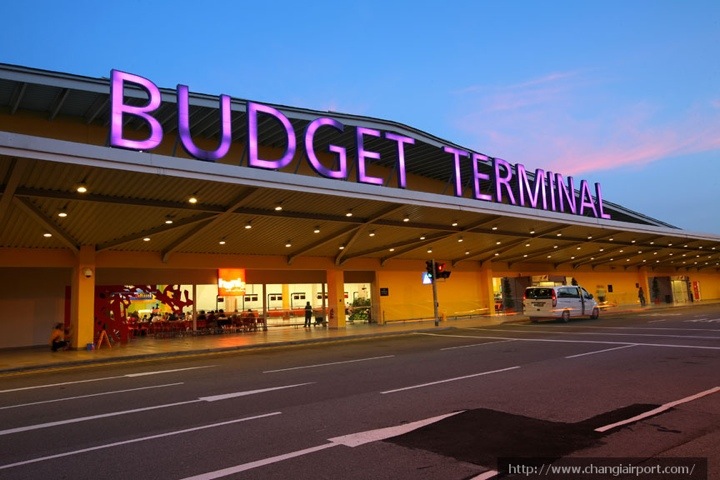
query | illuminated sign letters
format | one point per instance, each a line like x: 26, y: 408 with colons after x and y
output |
x: 544, y: 190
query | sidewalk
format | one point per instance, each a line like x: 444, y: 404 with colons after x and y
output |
x: 145, y: 348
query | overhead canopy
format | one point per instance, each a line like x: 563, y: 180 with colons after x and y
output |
x: 138, y: 201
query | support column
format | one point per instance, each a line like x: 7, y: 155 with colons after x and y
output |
x: 376, y: 299
x: 485, y: 287
x: 336, y: 298
x: 82, y: 309
x: 643, y: 282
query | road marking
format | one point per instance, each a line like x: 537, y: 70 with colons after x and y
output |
x: 454, y: 379
x: 136, y: 440
x: 102, y: 379
x: 486, y: 475
x: 697, y: 337
x: 174, y: 370
x: 226, y: 396
x: 601, y: 351
x: 327, y: 364
x: 598, y: 342
x: 475, y: 345
x: 91, y: 395
x: 352, y: 440
x: 654, y: 329
x: 657, y: 410
x: 56, y: 423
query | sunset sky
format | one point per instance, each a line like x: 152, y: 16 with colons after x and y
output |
x: 624, y: 93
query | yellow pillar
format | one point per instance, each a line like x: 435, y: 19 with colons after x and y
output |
x: 82, y: 304
x: 486, y: 294
x: 643, y: 282
x: 285, y: 296
x: 376, y: 299
x: 336, y: 298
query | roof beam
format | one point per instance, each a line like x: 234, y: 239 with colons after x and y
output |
x: 34, y: 212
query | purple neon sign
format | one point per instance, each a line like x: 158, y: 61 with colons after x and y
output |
x: 544, y: 190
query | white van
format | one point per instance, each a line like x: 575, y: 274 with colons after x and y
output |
x: 559, y: 302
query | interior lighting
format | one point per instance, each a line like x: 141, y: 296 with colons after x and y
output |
x: 422, y: 237
x: 47, y: 234
x: 460, y: 239
x: 455, y: 223
x: 532, y: 231
x: 248, y: 226
x: 349, y: 213
x: 317, y: 230
x: 494, y: 227
x: 391, y: 249
x: 193, y: 199
x: 467, y: 252
x: 168, y: 220
x: 146, y: 239
x: 429, y: 250
x: 341, y: 247
x: 62, y: 213
x: 222, y: 242
x: 81, y: 188
x: 278, y: 207
x: 406, y: 219
x: 559, y: 234
x: 372, y: 233
x: 288, y: 244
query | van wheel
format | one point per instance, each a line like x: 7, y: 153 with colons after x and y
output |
x: 595, y: 313
x: 566, y: 316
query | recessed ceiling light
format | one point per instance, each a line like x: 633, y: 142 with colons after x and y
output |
x: 391, y: 249
x: 349, y: 213
x: 460, y: 239
x: 317, y: 230
x: 278, y: 207
x: 288, y: 244
x: 422, y: 237
x: 248, y: 226
x: 62, y: 214
x: 372, y: 233
x: 406, y: 219
x: 494, y: 227
x: 429, y: 250
x: 168, y: 220
x: 146, y: 239
x: 193, y: 200
x: 81, y: 188
x: 341, y: 247
x: 455, y: 223
x: 47, y: 235
x: 222, y: 242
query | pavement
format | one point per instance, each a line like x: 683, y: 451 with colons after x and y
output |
x: 20, y: 360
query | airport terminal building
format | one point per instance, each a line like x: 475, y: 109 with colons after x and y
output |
x: 121, y: 199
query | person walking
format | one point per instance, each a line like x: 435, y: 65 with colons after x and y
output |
x: 641, y: 296
x: 308, y: 315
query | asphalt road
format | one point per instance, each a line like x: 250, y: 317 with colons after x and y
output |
x: 423, y: 406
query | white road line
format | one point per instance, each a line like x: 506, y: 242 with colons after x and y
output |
x: 486, y: 475
x: 475, y: 345
x: 657, y: 410
x: 136, y: 440
x: 327, y: 364
x: 57, y: 423
x: 352, y: 440
x: 174, y: 370
x: 39, y: 426
x: 558, y: 332
x: 78, y: 397
x: 226, y: 396
x: 588, y: 327
x: 600, y: 351
x: 102, y: 379
x: 464, y: 377
x: 597, y: 342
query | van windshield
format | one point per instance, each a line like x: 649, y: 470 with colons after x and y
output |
x: 538, y: 293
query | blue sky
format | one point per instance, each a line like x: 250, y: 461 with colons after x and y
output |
x: 625, y: 93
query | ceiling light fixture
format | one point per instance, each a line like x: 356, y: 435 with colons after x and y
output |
x: 222, y: 242
x: 81, y: 188
x: 317, y: 230
x: 455, y: 223
x: 193, y: 199
x: 62, y: 213
x: 349, y: 213
x: 288, y: 244
x: 341, y: 247
x: 146, y: 239
x: 47, y: 234
x: 372, y: 233
x: 168, y: 220
x: 278, y: 207
x: 248, y: 225
x: 406, y: 219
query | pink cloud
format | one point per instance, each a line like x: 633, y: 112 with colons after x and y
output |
x: 562, y: 123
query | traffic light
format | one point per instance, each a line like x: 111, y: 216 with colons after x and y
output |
x: 440, y: 271
x: 429, y: 269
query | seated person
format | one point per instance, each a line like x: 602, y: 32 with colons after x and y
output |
x: 57, y: 338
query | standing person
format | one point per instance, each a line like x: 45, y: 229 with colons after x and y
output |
x: 641, y: 296
x: 57, y: 338
x: 308, y: 315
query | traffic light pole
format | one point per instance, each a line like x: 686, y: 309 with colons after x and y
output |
x: 434, y: 288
